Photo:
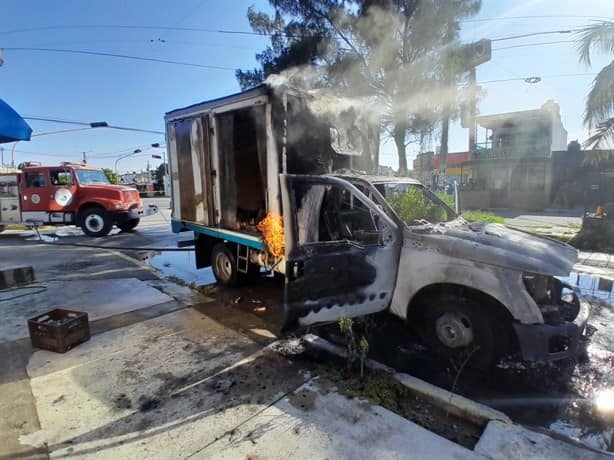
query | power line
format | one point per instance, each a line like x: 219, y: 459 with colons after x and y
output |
x: 543, y: 16
x: 528, y: 78
x: 122, y: 151
x: 121, y: 26
x: 533, y: 44
x: 251, y: 33
x: 122, y: 56
x: 533, y: 34
x: 122, y: 128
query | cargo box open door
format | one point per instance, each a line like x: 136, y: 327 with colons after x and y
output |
x: 342, y: 251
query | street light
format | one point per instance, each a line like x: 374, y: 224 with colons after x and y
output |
x: 155, y: 145
x: 125, y: 156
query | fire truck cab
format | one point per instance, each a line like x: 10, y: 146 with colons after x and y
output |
x: 68, y: 194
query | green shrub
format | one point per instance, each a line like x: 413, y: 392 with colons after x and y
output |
x: 413, y: 205
x: 447, y: 199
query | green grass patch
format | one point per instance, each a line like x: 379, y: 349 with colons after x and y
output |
x: 471, y: 216
x: 480, y: 216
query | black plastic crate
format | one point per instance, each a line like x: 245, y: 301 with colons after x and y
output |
x: 59, y: 330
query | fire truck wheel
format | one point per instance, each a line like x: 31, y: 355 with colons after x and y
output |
x: 224, y: 266
x: 95, y: 222
x: 128, y: 225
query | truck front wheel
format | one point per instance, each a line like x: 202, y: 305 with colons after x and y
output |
x: 224, y: 266
x: 128, y: 225
x: 460, y: 328
x: 96, y: 222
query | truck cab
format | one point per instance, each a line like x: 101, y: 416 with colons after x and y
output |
x: 68, y: 194
x: 358, y: 244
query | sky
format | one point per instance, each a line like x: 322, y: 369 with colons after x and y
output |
x: 136, y: 93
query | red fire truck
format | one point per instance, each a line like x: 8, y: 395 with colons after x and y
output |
x: 68, y: 194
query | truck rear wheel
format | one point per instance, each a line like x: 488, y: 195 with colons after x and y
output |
x: 460, y: 328
x: 224, y: 265
x: 96, y: 222
x: 128, y: 225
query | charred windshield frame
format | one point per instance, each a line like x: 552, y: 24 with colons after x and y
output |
x: 449, y: 212
x: 91, y: 176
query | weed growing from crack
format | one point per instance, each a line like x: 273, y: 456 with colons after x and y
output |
x: 357, y: 349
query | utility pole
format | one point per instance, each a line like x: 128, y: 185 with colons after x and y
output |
x: 1, y: 157
x: 472, y: 113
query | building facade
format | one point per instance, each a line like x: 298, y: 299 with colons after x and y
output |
x: 427, y: 167
x: 512, y: 166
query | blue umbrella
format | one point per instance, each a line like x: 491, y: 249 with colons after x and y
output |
x: 12, y: 126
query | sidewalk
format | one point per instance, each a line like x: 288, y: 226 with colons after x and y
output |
x: 181, y: 385
x: 159, y: 379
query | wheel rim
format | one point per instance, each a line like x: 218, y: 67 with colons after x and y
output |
x: 94, y: 222
x: 223, y: 266
x: 454, y: 330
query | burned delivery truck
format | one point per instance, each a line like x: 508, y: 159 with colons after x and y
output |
x: 264, y: 178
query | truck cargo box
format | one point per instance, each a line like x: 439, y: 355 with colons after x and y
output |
x: 226, y: 155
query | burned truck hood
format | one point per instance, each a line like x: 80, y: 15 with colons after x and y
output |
x: 496, y: 244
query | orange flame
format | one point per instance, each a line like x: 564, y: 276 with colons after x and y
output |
x: 272, y: 229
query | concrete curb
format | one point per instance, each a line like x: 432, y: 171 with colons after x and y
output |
x: 451, y: 402
x: 11, y: 277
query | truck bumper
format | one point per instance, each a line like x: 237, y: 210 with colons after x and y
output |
x: 546, y: 342
x: 136, y: 213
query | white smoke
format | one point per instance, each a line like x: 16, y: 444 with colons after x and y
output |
x: 377, y: 83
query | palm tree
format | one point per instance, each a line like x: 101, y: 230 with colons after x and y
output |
x: 599, y: 111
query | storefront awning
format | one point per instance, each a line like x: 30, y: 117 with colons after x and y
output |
x: 12, y: 126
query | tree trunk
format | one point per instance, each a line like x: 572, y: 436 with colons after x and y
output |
x: 443, y: 149
x: 400, y: 128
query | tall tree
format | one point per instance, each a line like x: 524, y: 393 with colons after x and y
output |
x: 599, y: 110
x: 297, y: 38
x: 388, y: 50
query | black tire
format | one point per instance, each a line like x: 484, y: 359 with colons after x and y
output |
x: 224, y: 265
x: 461, y: 329
x: 2, y: 228
x: 95, y: 222
x: 128, y: 225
